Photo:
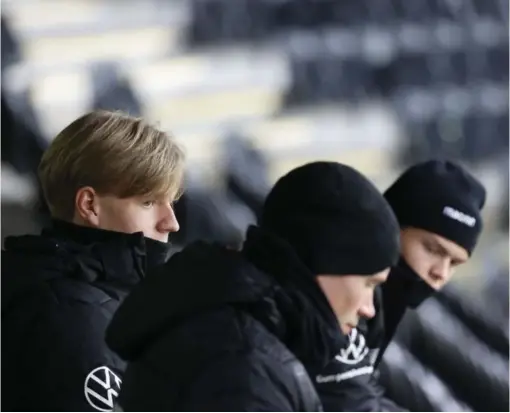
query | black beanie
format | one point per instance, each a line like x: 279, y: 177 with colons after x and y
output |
x: 335, y: 219
x: 440, y: 197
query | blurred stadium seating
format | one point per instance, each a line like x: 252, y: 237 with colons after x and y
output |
x: 254, y: 88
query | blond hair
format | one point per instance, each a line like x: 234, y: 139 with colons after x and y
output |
x: 113, y: 153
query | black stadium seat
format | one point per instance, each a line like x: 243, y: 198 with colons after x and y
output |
x: 112, y: 91
x: 473, y: 371
x: 11, y: 52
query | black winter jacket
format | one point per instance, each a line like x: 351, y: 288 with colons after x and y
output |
x: 350, y: 382
x: 59, y: 292
x: 221, y: 330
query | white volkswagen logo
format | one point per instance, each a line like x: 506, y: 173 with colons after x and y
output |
x: 355, y: 351
x: 102, y: 387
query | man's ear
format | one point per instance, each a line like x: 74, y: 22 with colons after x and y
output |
x: 87, y: 206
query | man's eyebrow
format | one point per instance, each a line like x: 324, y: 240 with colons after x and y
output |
x: 445, y: 252
x: 434, y: 244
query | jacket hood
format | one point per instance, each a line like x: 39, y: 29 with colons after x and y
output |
x: 199, y: 278
x: 205, y: 277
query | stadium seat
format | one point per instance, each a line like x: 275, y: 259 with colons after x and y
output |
x: 472, y: 312
x: 245, y: 172
x: 413, y: 69
x: 11, y: 52
x: 450, y: 68
x: 475, y: 374
x: 112, y: 91
x: 497, y: 59
x: 414, y: 386
x: 492, y: 9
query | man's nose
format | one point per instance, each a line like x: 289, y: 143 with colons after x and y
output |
x: 368, y: 309
x: 440, y: 273
x: 169, y: 222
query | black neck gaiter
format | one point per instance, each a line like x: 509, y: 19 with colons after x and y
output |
x: 416, y: 289
x: 157, y: 252
x: 404, y: 289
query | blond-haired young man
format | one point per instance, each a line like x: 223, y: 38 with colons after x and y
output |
x: 110, y: 181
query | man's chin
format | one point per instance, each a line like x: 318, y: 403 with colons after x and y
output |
x: 346, y: 328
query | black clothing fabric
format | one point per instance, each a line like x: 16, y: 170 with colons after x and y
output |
x: 403, y: 290
x: 440, y: 197
x: 334, y: 218
x: 276, y: 257
x: 59, y: 292
x: 353, y: 390
x: 348, y: 382
x: 436, y: 196
x: 405, y: 284
x: 221, y: 330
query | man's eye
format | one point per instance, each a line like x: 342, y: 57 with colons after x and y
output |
x: 148, y: 204
x: 431, y: 249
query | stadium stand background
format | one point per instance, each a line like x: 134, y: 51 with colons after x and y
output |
x: 254, y: 88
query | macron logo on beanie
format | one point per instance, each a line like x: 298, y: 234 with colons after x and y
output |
x: 459, y: 216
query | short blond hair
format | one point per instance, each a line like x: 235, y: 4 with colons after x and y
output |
x: 113, y: 153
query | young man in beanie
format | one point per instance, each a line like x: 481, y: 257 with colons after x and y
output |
x: 109, y: 180
x: 438, y: 205
x: 221, y: 330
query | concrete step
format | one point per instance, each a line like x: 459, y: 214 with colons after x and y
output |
x: 194, y: 90
x: 210, y: 70
x: 56, y: 33
x: 367, y: 139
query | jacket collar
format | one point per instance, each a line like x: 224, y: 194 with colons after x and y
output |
x: 92, y: 254
x: 312, y: 331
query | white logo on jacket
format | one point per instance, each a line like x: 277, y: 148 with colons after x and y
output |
x: 355, y: 351
x: 102, y: 387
